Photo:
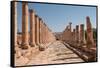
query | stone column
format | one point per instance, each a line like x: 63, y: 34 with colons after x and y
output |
x: 74, y: 35
x: 70, y: 26
x: 82, y: 34
x: 90, y: 40
x: 77, y: 34
x: 44, y: 33
x: 14, y: 20
x: 41, y: 47
x: 65, y: 35
x: 32, y: 27
x: 41, y: 31
x: 49, y: 36
x: 52, y: 37
x: 37, y: 30
x: 25, y: 26
x: 70, y: 32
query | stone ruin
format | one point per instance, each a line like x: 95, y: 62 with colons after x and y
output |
x: 39, y: 32
x: 37, y: 39
x: 78, y: 40
x: 31, y: 41
x: 78, y: 34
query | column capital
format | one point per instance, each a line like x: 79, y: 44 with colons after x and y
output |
x: 31, y: 11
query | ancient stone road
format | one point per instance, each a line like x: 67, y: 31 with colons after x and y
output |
x: 29, y: 48
x: 55, y: 53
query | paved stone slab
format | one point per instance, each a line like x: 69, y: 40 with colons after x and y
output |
x: 55, y: 53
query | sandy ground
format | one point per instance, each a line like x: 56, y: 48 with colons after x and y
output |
x: 55, y: 53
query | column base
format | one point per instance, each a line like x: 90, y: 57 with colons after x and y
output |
x: 89, y: 44
x: 41, y: 47
x: 32, y: 44
x: 24, y: 46
x: 19, y: 43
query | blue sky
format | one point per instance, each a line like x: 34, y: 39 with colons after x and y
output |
x: 57, y: 17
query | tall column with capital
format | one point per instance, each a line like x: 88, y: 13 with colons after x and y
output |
x: 32, y: 27
x: 37, y: 30
x: 25, y: 33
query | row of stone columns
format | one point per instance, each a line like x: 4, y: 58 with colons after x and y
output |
x: 67, y: 33
x: 78, y: 34
x: 39, y: 33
